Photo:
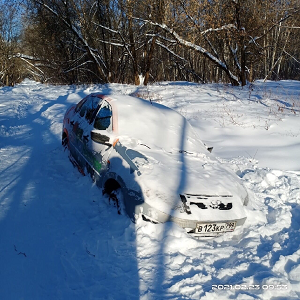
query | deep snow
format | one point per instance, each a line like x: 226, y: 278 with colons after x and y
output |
x: 60, y: 239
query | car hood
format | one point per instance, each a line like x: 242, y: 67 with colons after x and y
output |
x: 187, y: 172
x: 165, y: 175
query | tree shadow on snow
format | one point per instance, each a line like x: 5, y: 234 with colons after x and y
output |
x: 160, y: 283
x: 55, y: 244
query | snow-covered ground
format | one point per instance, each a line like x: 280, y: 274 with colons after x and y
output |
x: 59, y: 239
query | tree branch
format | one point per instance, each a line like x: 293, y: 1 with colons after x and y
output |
x: 234, y: 79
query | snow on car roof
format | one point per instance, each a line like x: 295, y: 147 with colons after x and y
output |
x: 154, y: 124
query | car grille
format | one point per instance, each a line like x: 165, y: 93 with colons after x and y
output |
x: 220, y: 202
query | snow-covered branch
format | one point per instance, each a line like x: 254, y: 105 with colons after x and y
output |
x: 224, y: 27
x: 78, y: 66
x: 289, y: 27
x: 169, y: 50
x: 235, y: 58
x: 203, y: 51
x: 26, y: 58
x: 293, y: 57
x: 98, y: 60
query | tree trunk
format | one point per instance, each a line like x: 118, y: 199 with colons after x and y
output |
x: 243, y: 66
x: 148, y: 63
x: 132, y: 45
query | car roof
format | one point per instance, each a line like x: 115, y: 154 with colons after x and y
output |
x: 153, y: 124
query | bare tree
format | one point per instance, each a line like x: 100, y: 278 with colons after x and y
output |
x: 11, y: 69
x: 118, y: 40
x: 228, y: 33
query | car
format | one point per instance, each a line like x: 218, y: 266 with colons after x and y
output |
x: 147, y: 158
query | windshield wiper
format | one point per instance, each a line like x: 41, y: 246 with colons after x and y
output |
x: 145, y: 146
x: 184, y: 151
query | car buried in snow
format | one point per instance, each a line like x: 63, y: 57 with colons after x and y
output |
x: 147, y: 158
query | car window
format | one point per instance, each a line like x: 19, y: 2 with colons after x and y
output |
x: 89, y: 108
x: 103, y: 118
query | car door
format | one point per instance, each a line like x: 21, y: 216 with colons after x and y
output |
x: 73, y: 123
x: 81, y: 126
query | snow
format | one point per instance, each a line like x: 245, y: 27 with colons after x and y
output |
x: 60, y: 238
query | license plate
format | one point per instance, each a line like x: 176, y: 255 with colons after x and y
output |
x: 215, y: 227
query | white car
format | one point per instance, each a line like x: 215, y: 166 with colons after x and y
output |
x: 148, y: 159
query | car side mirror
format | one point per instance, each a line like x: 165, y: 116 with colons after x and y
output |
x: 98, y: 137
x: 210, y: 149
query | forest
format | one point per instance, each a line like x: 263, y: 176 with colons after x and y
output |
x: 139, y: 42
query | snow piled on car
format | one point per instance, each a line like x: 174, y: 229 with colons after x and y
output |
x: 61, y: 239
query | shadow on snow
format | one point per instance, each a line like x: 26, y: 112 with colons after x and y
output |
x: 58, y: 239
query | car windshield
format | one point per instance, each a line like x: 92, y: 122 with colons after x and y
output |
x: 89, y: 108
